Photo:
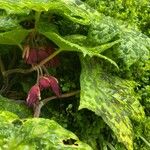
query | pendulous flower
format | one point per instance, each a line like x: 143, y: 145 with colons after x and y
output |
x: 33, y: 95
x: 48, y: 81
x: 34, y: 56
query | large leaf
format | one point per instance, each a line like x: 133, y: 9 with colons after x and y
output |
x: 103, y: 30
x: 69, y: 9
x: 133, y: 46
x: 37, y: 133
x: 69, y: 43
x: 110, y: 97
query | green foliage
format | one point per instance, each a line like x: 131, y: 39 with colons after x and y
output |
x: 35, y: 133
x: 66, y: 45
x: 13, y: 37
x: 111, y: 98
x: 142, y: 132
x: 114, y: 56
x: 134, y: 12
x: 64, y: 8
x: 15, y: 107
x: 144, y: 88
x: 133, y: 46
x: 7, y: 23
x: 93, y: 131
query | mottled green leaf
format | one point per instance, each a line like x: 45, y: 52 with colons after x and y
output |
x: 8, y: 23
x: 133, y: 46
x: 103, y: 30
x: 110, y: 97
x: 7, y: 116
x: 19, y: 108
x: 36, y: 133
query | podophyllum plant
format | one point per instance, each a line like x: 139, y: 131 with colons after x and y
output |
x: 113, y: 56
x: 33, y: 56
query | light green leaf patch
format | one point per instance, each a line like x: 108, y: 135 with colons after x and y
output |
x: 110, y: 97
x: 36, y: 133
x: 8, y: 23
x: 13, y: 37
x: 21, y: 109
x: 7, y: 116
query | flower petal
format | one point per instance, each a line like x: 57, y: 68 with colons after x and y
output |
x: 44, y: 82
x: 45, y: 52
x: 25, y: 53
x: 32, y: 57
x: 33, y: 95
x: 42, y: 54
x: 54, y: 85
x: 49, y: 81
x: 54, y: 62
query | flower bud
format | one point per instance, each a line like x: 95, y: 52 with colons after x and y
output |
x: 33, y: 95
x: 49, y: 81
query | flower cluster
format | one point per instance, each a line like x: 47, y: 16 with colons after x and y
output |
x: 44, y: 82
x: 33, y: 56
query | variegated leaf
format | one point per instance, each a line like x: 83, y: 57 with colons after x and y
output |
x: 110, y: 97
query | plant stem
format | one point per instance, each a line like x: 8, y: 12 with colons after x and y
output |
x: 37, y: 109
x: 2, y: 68
x: 37, y: 18
x: 5, y: 82
x: 26, y: 71
x: 38, y: 76
x: 46, y: 100
x: 20, y: 46
x: 48, y: 58
x: 145, y: 141
x: 45, y: 69
x: 18, y: 70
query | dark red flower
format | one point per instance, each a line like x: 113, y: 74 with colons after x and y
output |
x: 33, y: 95
x: 44, y: 82
x: 49, y: 81
x: 34, y: 56
x: 55, y: 61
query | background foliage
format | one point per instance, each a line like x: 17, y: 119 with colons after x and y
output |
x: 103, y: 49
